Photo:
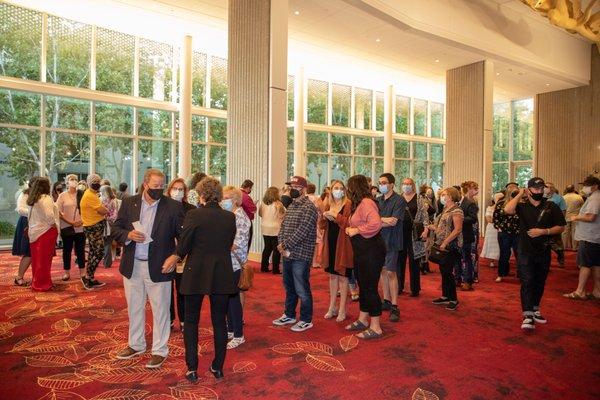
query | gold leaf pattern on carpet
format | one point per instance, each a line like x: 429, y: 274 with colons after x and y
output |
x: 324, y: 363
x: 349, y: 342
x: 62, y: 381
x: 75, y: 352
x: 421, y: 394
x: 287, y: 348
x: 66, y: 325
x: 314, y: 347
x: 193, y: 393
x: 244, y: 366
x: 48, y: 360
x: 21, y: 310
x: 61, y: 395
x: 121, y: 394
x: 138, y: 374
x: 102, y: 312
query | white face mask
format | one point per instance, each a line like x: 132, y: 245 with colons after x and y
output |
x: 337, y: 193
x: 177, y: 194
x: 587, y: 190
x: 407, y: 189
x: 72, y: 183
x: 443, y: 200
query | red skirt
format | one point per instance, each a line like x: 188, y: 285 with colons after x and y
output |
x: 42, y: 251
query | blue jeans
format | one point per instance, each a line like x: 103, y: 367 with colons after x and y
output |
x: 468, y: 263
x: 297, y: 285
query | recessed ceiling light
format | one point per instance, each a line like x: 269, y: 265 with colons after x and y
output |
x: 378, y: 40
x: 296, y: 12
x: 497, y: 73
x: 547, y: 84
x: 437, y: 60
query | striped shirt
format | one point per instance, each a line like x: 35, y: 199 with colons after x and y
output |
x: 298, y: 233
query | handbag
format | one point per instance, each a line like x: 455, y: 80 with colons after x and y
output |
x: 437, y: 255
x: 246, y: 276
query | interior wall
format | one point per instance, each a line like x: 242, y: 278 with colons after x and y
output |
x: 568, y: 131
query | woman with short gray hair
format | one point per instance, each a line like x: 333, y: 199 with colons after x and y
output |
x: 71, y: 227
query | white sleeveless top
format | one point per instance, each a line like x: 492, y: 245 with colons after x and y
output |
x: 270, y: 220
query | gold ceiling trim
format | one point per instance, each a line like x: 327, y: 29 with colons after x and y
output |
x: 568, y: 14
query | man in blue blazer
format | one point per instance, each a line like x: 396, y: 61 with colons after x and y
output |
x: 147, y: 226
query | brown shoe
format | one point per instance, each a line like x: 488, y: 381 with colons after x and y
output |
x: 128, y: 353
x: 156, y: 361
x: 466, y: 287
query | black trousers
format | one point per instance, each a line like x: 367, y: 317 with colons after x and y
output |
x: 180, y: 300
x: 270, y: 247
x: 79, y: 241
x: 413, y: 266
x: 533, y: 271
x: 507, y: 242
x: 235, y: 313
x: 369, y: 257
x: 250, y: 235
x: 447, y: 272
x: 218, y: 314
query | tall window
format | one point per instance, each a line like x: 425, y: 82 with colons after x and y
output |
x: 512, y: 143
x: 424, y: 162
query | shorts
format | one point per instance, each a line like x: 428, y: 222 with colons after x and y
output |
x: 391, y: 261
x: 588, y: 254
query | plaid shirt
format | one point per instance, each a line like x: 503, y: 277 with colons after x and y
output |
x: 298, y: 233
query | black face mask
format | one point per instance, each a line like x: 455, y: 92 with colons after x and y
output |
x: 537, y: 196
x: 95, y: 186
x: 294, y: 193
x: 154, y: 194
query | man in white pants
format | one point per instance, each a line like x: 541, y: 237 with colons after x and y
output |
x: 148, y: 225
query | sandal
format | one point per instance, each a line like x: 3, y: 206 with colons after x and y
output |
x: 66, y: 277
x: 356, y: 326
x: 574, y: 296
x: 330, y: 314
x: 369, y: 334
x: 20, y: 282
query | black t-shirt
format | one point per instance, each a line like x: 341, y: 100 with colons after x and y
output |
x: 528, y: 216
x: 411, y: 207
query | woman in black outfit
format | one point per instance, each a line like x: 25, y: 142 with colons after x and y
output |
x: 206, y: 240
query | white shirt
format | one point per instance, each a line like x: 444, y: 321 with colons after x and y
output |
x: 270, y: 222
x: 22, y: 208
x: 44, y: 215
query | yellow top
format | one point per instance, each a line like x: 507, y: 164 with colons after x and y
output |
x: 90, y: 202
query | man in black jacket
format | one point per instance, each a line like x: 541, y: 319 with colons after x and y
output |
x: 147, y: 226
x: 465, y: 267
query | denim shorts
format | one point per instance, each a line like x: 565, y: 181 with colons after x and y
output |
x: 588, y: 254
x: 391, y: 261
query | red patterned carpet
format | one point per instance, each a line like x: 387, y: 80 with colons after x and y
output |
x: 61, y: 345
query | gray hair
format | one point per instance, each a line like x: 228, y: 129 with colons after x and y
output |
x: 92, y: 178
x: 71, y: 176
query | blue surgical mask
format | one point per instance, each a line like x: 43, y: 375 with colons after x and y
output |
x: 227, y: 204
x: 337, y: 194
x: 407, y: 188
x: 383, y: 189
x: 443, y: 200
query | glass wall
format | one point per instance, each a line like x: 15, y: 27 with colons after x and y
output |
x: 422, y: 161
x: 512, y: 143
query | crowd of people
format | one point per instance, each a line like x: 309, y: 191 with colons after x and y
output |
x: 179, y: 243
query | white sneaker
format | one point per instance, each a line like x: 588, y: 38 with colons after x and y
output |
x: 537, y: 316
x: 284, y: 320
x: 235, y: 342
x: 229, y: 335
x: 301, y: 326
x: 528, y: 322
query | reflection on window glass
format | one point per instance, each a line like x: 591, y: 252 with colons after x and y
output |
x: 420, y: 172
x: 402, y: 169
x: 114, y: 61
x: 218, y: 163
x: 363, y: 166
x: 340, y: 168
x: 218, y: 83
x: 20, y: 41
x: 379, y: 111
x: 63, y: 112
x: 499, y: 176
x: 156, y: 123
x: 217, y: 130
x: 114, y: 158
x: 401, y: 149
x: 199, y: 128
x: 68, y: 54
x: 67, y: 153
x: 154, y: 154
x: 114, y: 118
x: 379, y: 147
x: 198, y: 78
x: 198, y: 158
x: 316, y: 141
x: 363, y: 99
x: 402, y: 114
x: 437, y: 152
x: 363, y: 146
x: 420, y: 117
x: 290, y: 98
x: 340, y: 143
x: 156, y: 70
x: 437, y: 120
x: 21, y: 108
x: 501, y: 131
x: 317, y: 170
x: 420, y: 151
x: 522, y: 129
x: 316, y: 101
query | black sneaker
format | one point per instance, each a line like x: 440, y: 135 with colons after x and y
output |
x: 537, y: 316
x: 452, y: 305
x: 441, y: 300
x: 191, y: 376
x: 386, y: 305
x: 528, y: 322
x: 394, y: 314
x: 96, y: 284
x: 87, y: 284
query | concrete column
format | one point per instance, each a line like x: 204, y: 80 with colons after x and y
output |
x: 185, y: 110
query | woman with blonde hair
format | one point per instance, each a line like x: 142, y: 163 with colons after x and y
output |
x: 71, y: 227
x: 447, y: 231
x: 271, y: 211
x: 337, y: 256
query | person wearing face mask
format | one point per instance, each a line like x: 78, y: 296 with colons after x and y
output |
x: 57, y: 189
x: 148, y: 263
x: 21, y: 246
x: 109, y: 201
x: 416, y: 217
x: 178, y: 191
x: 93, y: 217
x: 232, y: 201
x: 271, y: 212
x: 466, y: 267
x: 508, y: 231
x: 337, y: 256
x: 588, y: 235
x: 539, y: 220
x: 248, y: 205
x: 71, y: 228
x: 296, y: 239
x: 574, y: 203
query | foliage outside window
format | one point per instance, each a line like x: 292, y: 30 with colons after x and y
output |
x: 341, y: 98
x: 115, y: 55
x: 402, y: 114
x: 420, y: 117
x: 316, y: 102
x: 363, y: 106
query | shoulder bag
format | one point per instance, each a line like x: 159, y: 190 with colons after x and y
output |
x: 246, y: 276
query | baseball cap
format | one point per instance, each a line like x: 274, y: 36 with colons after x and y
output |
x: 536, y: 182
x: 297, y: 181
x: 591, y: 181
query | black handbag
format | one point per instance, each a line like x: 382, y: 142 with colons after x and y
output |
x: 437, y: 255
